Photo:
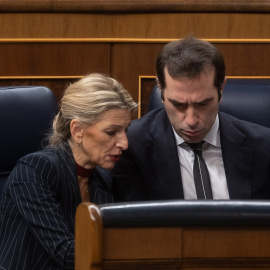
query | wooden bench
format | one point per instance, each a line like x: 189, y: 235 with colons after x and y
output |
x: 173, y: 235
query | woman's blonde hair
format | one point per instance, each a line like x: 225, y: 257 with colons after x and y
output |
x: 86, y: 100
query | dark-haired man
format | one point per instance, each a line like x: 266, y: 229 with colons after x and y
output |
x: 189, y: 150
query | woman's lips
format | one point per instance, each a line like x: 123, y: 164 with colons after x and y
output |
x: 115, y: 157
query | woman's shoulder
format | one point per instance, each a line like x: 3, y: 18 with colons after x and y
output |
x: 47, y: 165
x: 51, y: 157
x: 46, y: 154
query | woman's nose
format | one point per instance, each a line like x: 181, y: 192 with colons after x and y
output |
x: 122, y: 142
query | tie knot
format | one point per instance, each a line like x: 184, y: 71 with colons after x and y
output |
x: 196, y: 147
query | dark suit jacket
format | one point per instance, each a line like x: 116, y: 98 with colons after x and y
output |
x: 38, y: 210
x: 150, y: 169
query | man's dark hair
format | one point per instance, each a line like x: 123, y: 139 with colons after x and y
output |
x: 188, y: 58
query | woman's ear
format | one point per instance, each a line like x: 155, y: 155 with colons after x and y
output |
x: 76, y: 130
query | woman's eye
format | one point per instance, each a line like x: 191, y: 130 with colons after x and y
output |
x: 110, y: 133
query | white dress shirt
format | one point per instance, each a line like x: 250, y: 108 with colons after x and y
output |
x: 212, y: 154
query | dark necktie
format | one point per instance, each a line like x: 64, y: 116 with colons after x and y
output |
x: 200, y: 172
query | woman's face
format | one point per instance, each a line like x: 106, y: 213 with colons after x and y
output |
x: 103, y: 142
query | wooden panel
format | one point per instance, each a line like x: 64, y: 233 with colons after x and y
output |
x: 133, y: 60
x: 89, y: 227
x: 142, y: 243
x: 146, y: 86
x: 28, y: 25
x: 173, y: 264
x: 226, y: 243
x: 134, y: 5
x: 170, y: 248
x: 242, y: 59
x: 240, y: 264
x: 201, y: 25
x: 53, y: 59
x: 246, y: 59
x: 227, y: 263
x: 149, y: 25
x: 186, y: 248
x: 126, y: 61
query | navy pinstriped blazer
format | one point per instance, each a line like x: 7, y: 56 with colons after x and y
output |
x: 38, y: 210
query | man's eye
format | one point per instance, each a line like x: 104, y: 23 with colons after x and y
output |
x: 203, y: 103
x: 178, y: 105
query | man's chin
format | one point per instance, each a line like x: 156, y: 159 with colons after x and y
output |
x: 192, y: 139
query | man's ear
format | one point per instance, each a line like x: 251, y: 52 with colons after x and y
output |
x: 157, y: 80
x: 222, y: 88
x: 76, y: 130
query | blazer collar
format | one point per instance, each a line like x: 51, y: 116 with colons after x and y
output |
x: 162, y: 151
x: 237, y: 158
x: 100, y: 182
x: 100, y: 186
x: 70, y: 168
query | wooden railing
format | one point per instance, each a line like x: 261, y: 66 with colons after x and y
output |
x: 173, y: 235
x: 135, y: 6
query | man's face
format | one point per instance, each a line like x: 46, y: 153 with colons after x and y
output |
x: 191, y: 104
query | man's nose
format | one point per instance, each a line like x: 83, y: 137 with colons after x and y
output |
x: 191, y: 117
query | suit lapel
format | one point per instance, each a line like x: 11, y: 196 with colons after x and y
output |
x: 101, y: 186
x: 238, y: 159
x: 71, y: 196
x: 163, y: 154
x: 71, y: 175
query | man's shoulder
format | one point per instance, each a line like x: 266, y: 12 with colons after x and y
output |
x: 236, y: 121
x: 231, y: 123
x: 153, y: 118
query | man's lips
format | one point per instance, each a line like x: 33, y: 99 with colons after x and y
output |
x: 192, y: 133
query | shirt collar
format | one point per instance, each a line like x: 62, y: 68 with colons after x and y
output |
x: 212, y: 137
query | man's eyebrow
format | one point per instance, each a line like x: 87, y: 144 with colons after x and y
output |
x: 175, y: 102
x: 204, y: 101
x: 179, y: 103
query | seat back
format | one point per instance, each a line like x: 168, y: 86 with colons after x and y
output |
x: 26, y: 116
x: 246, y: 99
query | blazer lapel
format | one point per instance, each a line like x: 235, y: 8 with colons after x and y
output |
x: 101, y: 186
x: 238, y: 160
x: 69, y: 185
x: 71, y: 175
x: 162, y: 149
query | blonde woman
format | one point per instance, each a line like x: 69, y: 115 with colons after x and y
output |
x: 44, y: 189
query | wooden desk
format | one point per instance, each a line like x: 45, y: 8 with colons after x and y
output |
x: 209, y: 237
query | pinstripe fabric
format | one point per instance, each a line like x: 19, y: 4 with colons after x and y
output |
x: 38, y: 210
